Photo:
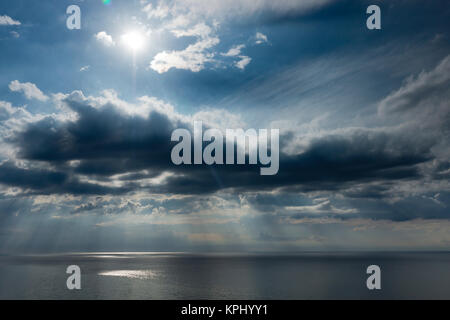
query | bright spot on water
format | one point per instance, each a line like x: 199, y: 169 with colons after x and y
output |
x: 131, y: 274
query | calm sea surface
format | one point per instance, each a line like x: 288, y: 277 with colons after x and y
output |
x: 188, y: 276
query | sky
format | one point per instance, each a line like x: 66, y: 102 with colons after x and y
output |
x: 86, y: 124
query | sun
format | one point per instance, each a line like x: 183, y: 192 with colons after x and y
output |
x: 133, y: 40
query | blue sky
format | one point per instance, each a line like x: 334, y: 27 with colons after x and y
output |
x: 85, y: 125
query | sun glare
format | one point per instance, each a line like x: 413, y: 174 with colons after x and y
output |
x: 133, y: 40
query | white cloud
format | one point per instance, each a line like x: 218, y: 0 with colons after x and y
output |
x: 245, y: 60
x: 105, y: 38
x: 179, y: 17
x: 199, y: 30
x: 12, y: 119
x: 15, y: 34
x: 261, y: 38
x: 161, y: 11
x: 143, y: 108
x: 85, y: 68
x: 192, y: 58
x: 28, y: 89
x: 6, y: 110
x: 234, y: 51
x: 8, y: 21
x: 219, y: 118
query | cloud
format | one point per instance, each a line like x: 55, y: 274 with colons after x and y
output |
x: 323, y: 207
x: 6, y: 110
x: 8, y: 21
x: 261, y: 38
x: 15, y: 34
x: 231, y: 9
x: 429, y: 91
x: 159, y: 12
x: 105, y: 38
x: 84, y: 68
x: 42, y: 181
x: 113, y: 147
x: 72, y: 140
x: 234, y: 51
x: 28, y: 89
x: 194, y: 57
x: 219, y: 118
x: 245, y: 60
x: 423, y: 102
x: 12, y: 119
x: 107, y: 138
x: 178, y: 17
x: 200, y: 30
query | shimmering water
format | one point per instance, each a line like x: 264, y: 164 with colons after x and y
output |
x: 215, y: 276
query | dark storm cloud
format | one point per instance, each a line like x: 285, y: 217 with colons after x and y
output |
x: 106, y: 141
x: 366, y: 205
x: 408, y: 208
x: 42, y: 181
x: 442, y: 170
x: 369, y: 191
x: 97, y: 135
x: 330, y: 163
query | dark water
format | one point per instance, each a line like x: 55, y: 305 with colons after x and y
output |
x: 186, y: 276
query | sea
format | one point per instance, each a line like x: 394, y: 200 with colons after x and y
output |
x: 162, y: 275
